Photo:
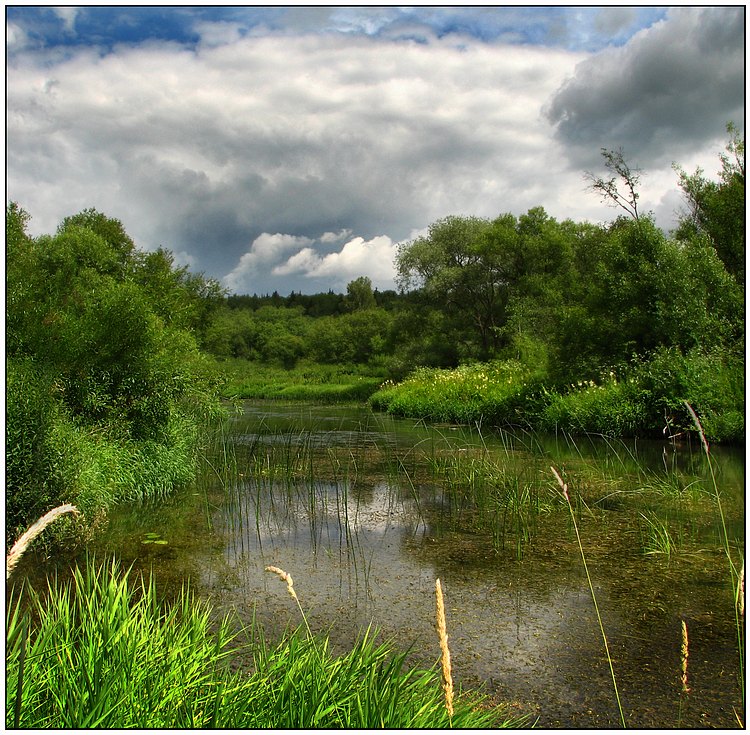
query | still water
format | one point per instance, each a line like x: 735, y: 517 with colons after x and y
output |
x: 353, y: 506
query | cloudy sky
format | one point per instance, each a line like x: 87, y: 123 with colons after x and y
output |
x: 290, y: 149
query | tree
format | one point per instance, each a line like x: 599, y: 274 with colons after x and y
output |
x: 621, y: 189
x: 85, y: 306
x: 359, y: 295
x: 457, y: 268
x: 478, y: 272
x: 717, y: 208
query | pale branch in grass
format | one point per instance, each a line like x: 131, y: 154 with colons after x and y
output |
x: 18, y: 549
x: 566, y: 495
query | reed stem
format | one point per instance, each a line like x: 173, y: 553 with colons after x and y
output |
x: 24, y: 540
x: 737, y: 577
x: 593, y: 594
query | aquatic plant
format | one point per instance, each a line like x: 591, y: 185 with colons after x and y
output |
x: 564, y: 489
x: 658, y: 539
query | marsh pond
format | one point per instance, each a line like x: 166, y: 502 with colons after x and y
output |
x: 366, y: 511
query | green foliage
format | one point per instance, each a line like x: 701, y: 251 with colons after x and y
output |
x: 30, y: 411
x: 712, y: 382
x: 613, y: 409
x: 102, y: 651
x: 468, y: 394
x: 718, y: 208
x: 359, y: 294
x: 645, y: 399
x: 104, y: 365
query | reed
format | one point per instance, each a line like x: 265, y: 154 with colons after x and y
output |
x: 35, y: 529
x: 658, y: 539
x: 564, y: 488
x: 287, y: 578
x: 445, y: 654
x: 737, y: 577
x: 684, y: 653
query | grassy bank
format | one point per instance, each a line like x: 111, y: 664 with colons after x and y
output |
x: 306, y: 382
x: 103, y: 651
x: 645, y: 399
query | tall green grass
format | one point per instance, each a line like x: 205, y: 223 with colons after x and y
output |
x: 306, y: 382
x: 104, y: 651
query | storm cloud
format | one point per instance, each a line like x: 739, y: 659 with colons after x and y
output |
x: 661, y: 94
x: 294, y: 150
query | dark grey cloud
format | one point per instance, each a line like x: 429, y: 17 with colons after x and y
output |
x: 661, y: 95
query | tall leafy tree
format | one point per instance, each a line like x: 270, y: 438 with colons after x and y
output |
x: 359, y: 294
x: 717, y: 208
x: 457, y: 267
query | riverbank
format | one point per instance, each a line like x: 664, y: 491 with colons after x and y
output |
x: 647, y: 400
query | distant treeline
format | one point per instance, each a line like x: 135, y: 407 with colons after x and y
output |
x: 314, y: 305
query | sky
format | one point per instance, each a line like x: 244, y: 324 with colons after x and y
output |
x: 295, y: 148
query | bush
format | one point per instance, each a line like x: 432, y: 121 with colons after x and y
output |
x: 30, y: 416
x: 106, y: 387
x: 712, y: 382
x: 614, y: 408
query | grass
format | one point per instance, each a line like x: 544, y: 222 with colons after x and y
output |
x: 468, y: 394
x: 645, y: 400
x: 658, y: 539
x: 306, y: 382
x: 103, y: 651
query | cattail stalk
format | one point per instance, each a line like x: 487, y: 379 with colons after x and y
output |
x: 19, y: 548
x: 445, y: 654
x: 684, y: 659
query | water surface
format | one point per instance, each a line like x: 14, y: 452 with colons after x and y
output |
x: 348, y: 503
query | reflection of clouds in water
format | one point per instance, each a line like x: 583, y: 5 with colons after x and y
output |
x: 314, y: 513
x: 346, y: 553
